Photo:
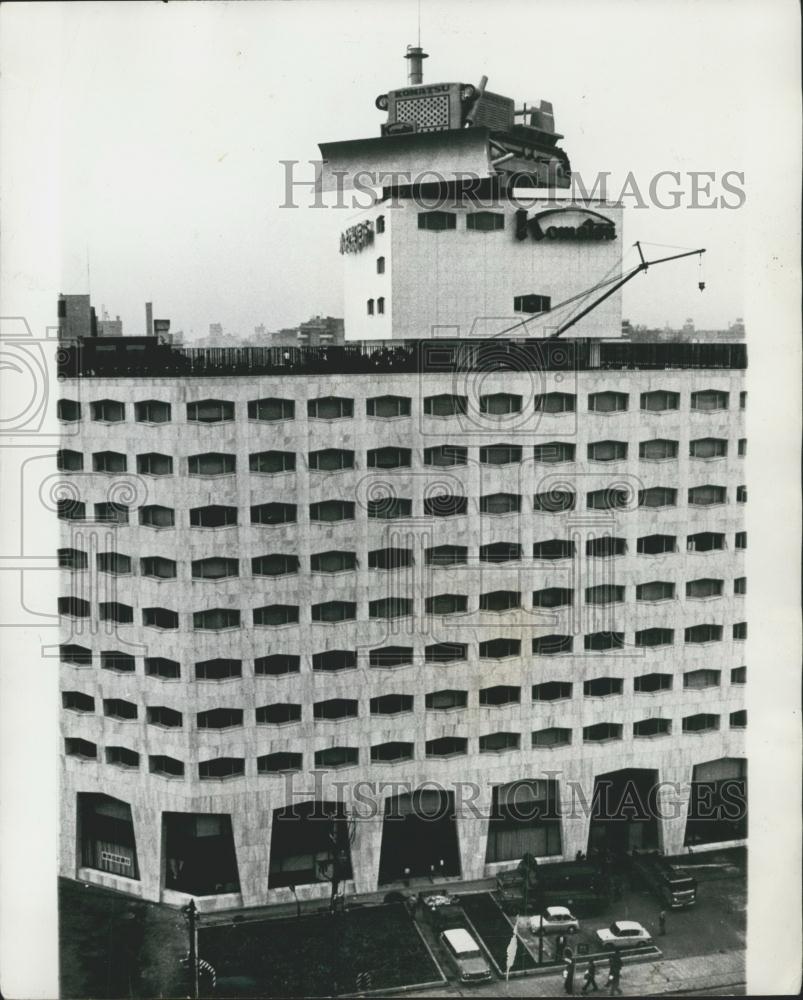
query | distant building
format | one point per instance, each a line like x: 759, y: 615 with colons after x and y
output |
x: 76, y: 317
x: 110, y: 327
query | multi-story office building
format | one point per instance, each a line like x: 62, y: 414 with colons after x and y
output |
x: 392, y: 609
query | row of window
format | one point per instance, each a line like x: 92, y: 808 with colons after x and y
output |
x: 394, y: 751
x: 215, y: 463
x: 208, y: 411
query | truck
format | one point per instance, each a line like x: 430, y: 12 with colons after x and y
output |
x: 583, y: 886
x: 672, y: 884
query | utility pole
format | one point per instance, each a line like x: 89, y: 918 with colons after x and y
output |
x: 192, y: 919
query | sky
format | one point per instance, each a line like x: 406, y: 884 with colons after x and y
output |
x: 173, y: 119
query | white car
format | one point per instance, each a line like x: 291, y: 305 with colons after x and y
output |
x: 465, y: 955
x: 555, y: 920
x: 623, y: 934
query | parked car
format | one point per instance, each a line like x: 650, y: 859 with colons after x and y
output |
x: 465, y: 955
x: 554, y: 920
x: 623, y: 934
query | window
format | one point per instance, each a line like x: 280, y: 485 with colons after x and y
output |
x: 445, y: 405
x: 485, y: 222
x: 499, y: 503
x: 551, y: 645
x: 391, y: 656
x: 77, y: 701
x: 390, y: 558
x: 552, y: 691
x: 389, y: 458
x: 274, y: 513
x: 215, y: 568
x: 154, y: 464
x: 216, y: 619
x: 111, y: 513
x: 390, y: 607
x: 334, y: 757
x: 447, y: 746
x: 68, y: 509
x: 607, y: 451
x: 115, y: 708
x: 75, y: 747
x: 703, y: 633
x: 500, y: 454
x: 220, y: 718
x: 601, y: 732
x: 608, y: 402
x: 111, y: 611
x: 741, y: 494
x: 214, y: 516
x: 69, y: 461
x: 332, y: 510
x: 335, y: 708
x: 554, y: 502
x: 274, y: 615
x: 554, y: 452
x: 738, y: 720
x: 700, y: 723
x: 532, y: 303
x: 334, y: 611
x: 388, y: 406
x: 330, y: 408
x: 551, y: 737
x: 600, y: 641
x: 380, y: 305
x: 68, y: 409
x: 554, y: 548
x: 73, y: 559
x: 652, y: 727
x: 605, y: 593
x: 109, y: 461
x: 602, y: 687
x: 606, y: 547
x: 160, y: 618
x: 705, y: 541
x: 653, y: 545
x: 270, y: 565
x: 380, y: 224
x: 446, y: 604
x: 445, y: 455
x: 221, y: 768
x: 445, y: 652
x: 742, y: 400
x: 500, y: 552
x: 658, y: 496
x: 499, y: 742
x: 709, y: 399
x: 655, y: 637
x: 122, y: 663
x: 437, y: 221
x: 369, y: 307
x: 212, y: 464
x: 500, y: 694
x: 553, y: 597
x: 333, y: 562
x: 659, y: 400
x: 219, y: 669
x: 444, y: 701
x: 278, y: 714
x: 555, y: 402
x: 107, y: 410
x: 277, y: 664
x: 740, y: 585
x: 651, y: 683
x: 445, y: 505
x: 607, y: 499
x: 742, y: 449
x: 447, y: 555
x: 708, y: 448
x: 276, y: 763
x: 704, y: 587
x: 739, y: 675
x: 392, y: 752
x: 498, y: 649
x: 113, y: 562
x: 330, y: 460
x: 657, y: 450
x: 698, y: 679
x: 271, y: 409
x: 168, y: 767
x: 391, y: 704
x: 158, y: 666
x: 655, y: 590
x: 210, y: 411
x: 705, y: 496
x: 158, y: 715
x: 154, y: 516
x: 380, y: 265
x: 740, y: 630
x: 389, y: 508
x: 500, y: 600
x: 740, y: 539
x: 500, y: 404
x: 152, y: 411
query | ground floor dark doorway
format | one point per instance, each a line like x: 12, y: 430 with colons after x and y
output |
x: 310, y: 842
x: 524, y: 820
x: 106, y: 835
x: 419, y: 836
x: 717, y: 802
x: 624, y: 812
x: 199, y: 853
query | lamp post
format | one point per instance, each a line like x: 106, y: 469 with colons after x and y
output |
x: 191, y: 912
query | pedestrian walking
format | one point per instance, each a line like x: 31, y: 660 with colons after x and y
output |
x: 590, y: 978
x: 662, y: 922
x: 615, y: 973
x: 568, y: 977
